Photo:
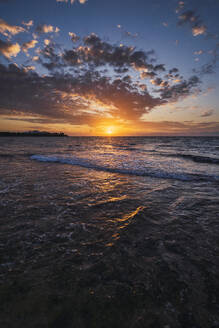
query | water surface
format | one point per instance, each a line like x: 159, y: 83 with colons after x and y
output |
x: 130, y: 221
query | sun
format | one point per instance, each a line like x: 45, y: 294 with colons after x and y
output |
x: 110, y: 130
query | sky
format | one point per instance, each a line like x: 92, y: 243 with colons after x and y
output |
x: 118, y: 67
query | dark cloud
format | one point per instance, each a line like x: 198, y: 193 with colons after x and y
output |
x: 173, y: 70
x: 207, y: 113
x: 158, y: 81
x: 159, y: 67
x: 181, y: 89
x: 147, y: 75
x: 198, y: 27
x: 97, y: 52
x: 65, y: 97
x: 189, y: 17
x: 209, y: 68
x: 94, y: 81
x: 74, y: 37
x: 49, y: 57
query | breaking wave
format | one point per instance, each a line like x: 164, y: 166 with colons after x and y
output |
x: 129, y: 169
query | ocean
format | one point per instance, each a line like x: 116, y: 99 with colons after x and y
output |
x: 109, y: 232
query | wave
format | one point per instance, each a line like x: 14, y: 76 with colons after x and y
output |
x: 137, y: 171
x: 200, y: 159
x: 194, y: 158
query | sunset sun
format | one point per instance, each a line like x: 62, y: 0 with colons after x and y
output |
x: 110, y: 130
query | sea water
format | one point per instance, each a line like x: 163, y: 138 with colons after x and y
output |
x: 148, y: 204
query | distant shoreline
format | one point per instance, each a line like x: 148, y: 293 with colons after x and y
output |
x: 32, y: 134
x: 61, y: 134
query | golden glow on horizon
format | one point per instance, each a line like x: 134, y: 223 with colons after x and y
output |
x: 110, y: 130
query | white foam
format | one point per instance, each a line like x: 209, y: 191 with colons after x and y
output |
x: 132, y: 168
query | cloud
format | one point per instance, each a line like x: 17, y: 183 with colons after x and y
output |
x: 8, y: 49
x: 95, y: 81
x: 6, y: 29
x: 199, y: 52
x: 29, y: 68
x: 158, y: 81
x: 147, y: 75
x: 173, y: 70
x: 48, y: 56
x: 189, y: 17
x: 198, y: 27
x: 198, y: 30
x: 181, y: 89
x: 51, y: 96
x: 96, y: 52
x: 180, y: 6
x: 43, y: 28
x: 210, y: 66
x: 28, y: 45
x: 207, y: 113
x: 74, y: 37
x: 35, y: 58
x: 47, y: 42
x: 126, y: 34
x: 28, y: 24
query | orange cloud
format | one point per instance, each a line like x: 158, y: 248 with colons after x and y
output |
x: 47, y: 29
x: 7, y: 29
x: 198, y: 30
x: 8, y: 49
x: 47, y: 42
x: 28, y: 24
x: 28, y: 45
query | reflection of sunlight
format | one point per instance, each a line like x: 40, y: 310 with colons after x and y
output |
x: 126, y: 218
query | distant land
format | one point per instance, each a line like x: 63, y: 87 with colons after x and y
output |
x: 34, y: 133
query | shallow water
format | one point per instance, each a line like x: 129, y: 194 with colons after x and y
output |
x: 98, y: 215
